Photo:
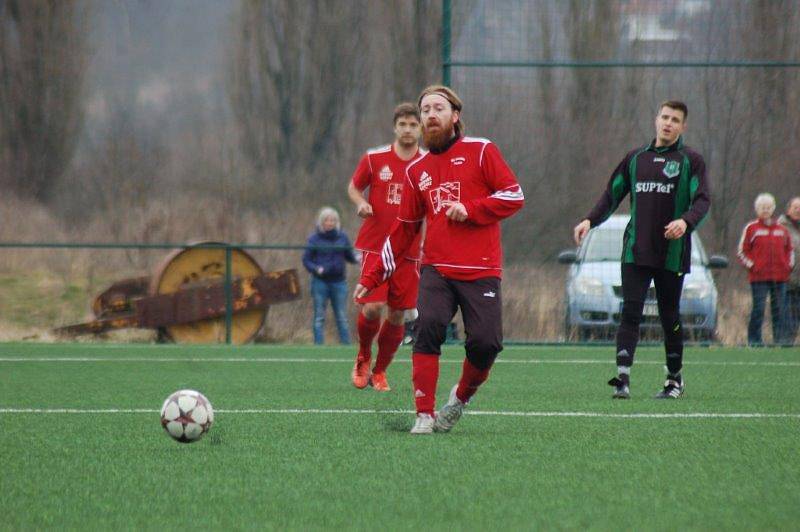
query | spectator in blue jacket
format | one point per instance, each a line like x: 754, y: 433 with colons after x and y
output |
x: 324, y: 258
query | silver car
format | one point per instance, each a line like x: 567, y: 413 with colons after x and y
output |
x: 594, y: 288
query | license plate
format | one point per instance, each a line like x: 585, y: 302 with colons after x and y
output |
x: 650, y: 309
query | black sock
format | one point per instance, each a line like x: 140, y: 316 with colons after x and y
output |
x: 674, y: 365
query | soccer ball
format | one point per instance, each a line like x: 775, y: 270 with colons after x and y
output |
x: 187, y: 415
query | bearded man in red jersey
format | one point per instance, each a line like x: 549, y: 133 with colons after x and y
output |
x: 382, y: 170
x: 462, y: 188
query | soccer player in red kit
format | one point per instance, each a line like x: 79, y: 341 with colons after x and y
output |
x: 462, y: 189
x: 383, y: 171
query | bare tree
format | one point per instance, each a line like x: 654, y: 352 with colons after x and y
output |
x: 312, y: 84
x: 43, y: 56
x: 749, y: 116
x: 296, y: 67
x: 414, y: 29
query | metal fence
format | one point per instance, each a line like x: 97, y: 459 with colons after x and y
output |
x: 197, y: 283
x: 565, y: 89
x: 109, y: 292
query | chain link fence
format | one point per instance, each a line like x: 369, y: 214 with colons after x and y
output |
x: 566, y: 89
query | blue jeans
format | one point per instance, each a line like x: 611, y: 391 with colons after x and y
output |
x: 792, y: 315
x: 777, y: 295
x: 336, y: 291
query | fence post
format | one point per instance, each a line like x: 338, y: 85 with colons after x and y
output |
x: 228, y: 294
x: 446, y: 32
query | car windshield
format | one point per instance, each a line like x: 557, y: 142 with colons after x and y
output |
x: 606, y: 245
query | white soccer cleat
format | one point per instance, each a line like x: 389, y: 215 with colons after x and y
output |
x: 423, y: 424
x: 450, y: 413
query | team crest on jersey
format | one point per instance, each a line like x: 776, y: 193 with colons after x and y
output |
x: 445, y: 195
x: 425, y: 181
x: 458, y: 161
x: 672, y: 168
x: 394, y: 193
x: 386, y: 173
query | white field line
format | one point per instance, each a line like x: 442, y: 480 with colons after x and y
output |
x: 269, y: 360
x: 247, y: 347
x: 498, y: 413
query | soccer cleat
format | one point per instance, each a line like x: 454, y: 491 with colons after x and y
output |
x: 361, y: 372
x: 378, y: 381
x: 621, y: 390
x: 423, y: 424
x: 450, y: 413
x: 672, y: 389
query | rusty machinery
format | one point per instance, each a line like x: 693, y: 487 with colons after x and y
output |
x: 185, y: 299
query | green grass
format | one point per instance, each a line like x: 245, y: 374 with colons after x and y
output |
x: 364, y: 471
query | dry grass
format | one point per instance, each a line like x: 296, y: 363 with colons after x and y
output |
x: 44, y: 288
x: 734, y: 313
x: 533, y: 303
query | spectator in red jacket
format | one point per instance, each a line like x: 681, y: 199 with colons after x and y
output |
x: 765, y: 249
x: 791, y: 221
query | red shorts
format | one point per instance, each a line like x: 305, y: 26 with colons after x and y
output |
x: 400, y: 291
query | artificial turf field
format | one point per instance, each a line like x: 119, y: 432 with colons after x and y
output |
x: 295, y: 446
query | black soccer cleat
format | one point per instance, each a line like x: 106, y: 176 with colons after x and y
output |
x: 672, y: 389
x: 621, y: 390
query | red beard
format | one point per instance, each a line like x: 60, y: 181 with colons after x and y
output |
x: 436, y: 139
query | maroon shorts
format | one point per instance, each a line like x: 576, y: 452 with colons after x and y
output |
x: 400, y: 291
x: 481, y: 310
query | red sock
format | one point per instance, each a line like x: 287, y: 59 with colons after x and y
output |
x: 388, y: 341
x: 425, y: 375
x: 367, y: 329
x: 471, y: 379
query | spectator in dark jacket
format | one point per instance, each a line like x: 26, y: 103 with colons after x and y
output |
x: 791, y: 221
x: 765, y: 249
x: 324, y: 258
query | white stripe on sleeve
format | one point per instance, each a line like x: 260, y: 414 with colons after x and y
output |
x: 510, y: 194
x: 740, y: 248
x: 388, y: 259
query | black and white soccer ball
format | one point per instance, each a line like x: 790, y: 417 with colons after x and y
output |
x: 187, y: 415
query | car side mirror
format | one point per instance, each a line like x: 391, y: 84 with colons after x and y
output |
x: 568, y: 256
x: 718, y: 261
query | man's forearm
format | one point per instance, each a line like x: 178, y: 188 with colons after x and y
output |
x: 355, y: 195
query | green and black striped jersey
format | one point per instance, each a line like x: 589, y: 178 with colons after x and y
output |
x: 665, y: 184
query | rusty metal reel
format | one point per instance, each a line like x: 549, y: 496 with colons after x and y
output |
x: 188, y: 267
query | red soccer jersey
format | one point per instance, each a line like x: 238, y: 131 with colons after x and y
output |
x: 384, y: 173
x: 472, y: 171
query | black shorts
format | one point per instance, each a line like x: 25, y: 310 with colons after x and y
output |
x: 668, y: 287
x: 481, y: 310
